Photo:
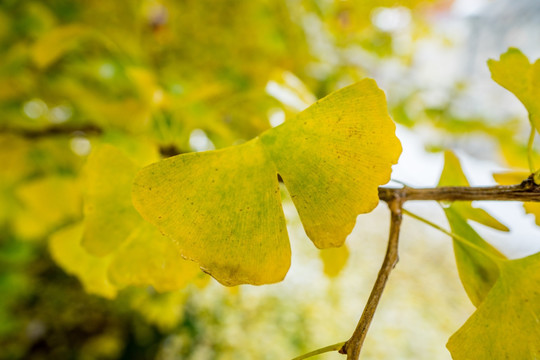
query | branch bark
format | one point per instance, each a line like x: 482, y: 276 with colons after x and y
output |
x: 354, y: 345
x: 526, y: 191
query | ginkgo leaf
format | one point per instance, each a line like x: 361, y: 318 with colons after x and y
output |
x: 515, y: 73
x: 506, y: 324
x: 223, y: 207
x: 334, y: 260
x: 109, y: 214
x: 137, y: 253
x: 332, y: 158
x: 157, y: 261
x: 477, y: 271
x: 47, y: 202
x: 66, y: 251
x: 453, y: 175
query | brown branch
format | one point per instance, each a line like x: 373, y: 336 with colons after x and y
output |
x: 85, y: 129
x: 354, y: 345
x: 526, y: 191
x: 54, y: 130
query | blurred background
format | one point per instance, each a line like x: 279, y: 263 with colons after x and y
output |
x: 158, y: 78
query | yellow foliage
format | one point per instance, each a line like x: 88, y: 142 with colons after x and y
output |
x: 66, y: 250
x: 223, y: 207
x: 334, y: 260
x: 46, y: 203
x: 505, y: 325
x: 515, y: 73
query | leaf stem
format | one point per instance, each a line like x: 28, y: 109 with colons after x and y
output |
x: 457, y: 237
x: 323, y: 350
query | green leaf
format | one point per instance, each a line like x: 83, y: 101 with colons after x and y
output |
x: 223, y: 207
x: 515, y: 73
x: 452, y: 175
x: 477, y: 271
x: 506, y: 324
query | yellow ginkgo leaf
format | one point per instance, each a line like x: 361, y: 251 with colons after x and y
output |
x: 46, y: 203
x: 66, y: 250
x: 224, y: 210
x: 157, y: 261
x: 138, y: 253
x: 515, y: 73
x: 477, y: 271
x: 511, y: 177
x: 109, y: 214
x: 332, y: 158
x: 452, y: 175
x: 223, y: 207
x: 505, y: 325
x: 334, y: 260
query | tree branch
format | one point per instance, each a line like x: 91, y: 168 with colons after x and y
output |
x: 354, y: 345
x: 526, y: 191
x: 54, y: 130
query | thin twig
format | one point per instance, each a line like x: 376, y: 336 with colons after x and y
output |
x: 54, y: 130
x: 323, y: 350
x: 354, y: 345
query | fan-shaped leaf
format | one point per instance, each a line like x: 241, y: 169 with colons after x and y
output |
x: 109, y: 214
x: 477, y: 271
x: 223, y: 207
x: 515, y: 73
x: 66, y: 250
x: 506, y: 324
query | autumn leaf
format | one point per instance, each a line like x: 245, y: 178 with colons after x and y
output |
x: 452, y: 175
x: 506, y: 324
x: 223, y: 207
x: 334, y: 260
x: 477, y: 271
x: 113, y: 239
x: 66, y: 250
x: 515, y: 73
